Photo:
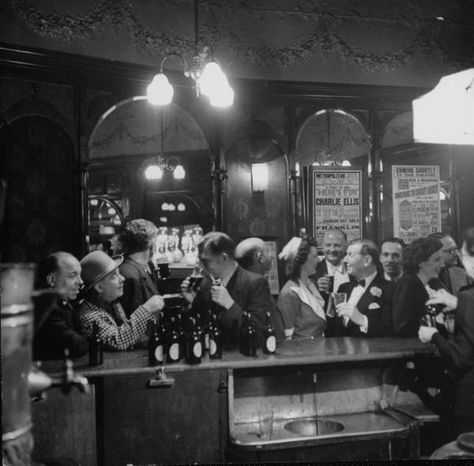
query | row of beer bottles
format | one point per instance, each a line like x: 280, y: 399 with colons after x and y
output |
x: 175, y: 338
x: 248, y: 336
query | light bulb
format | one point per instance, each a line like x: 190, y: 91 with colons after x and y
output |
x: 222, y: 97
x: 179, y: 172
x: 160, y: 91
x: 181, y: 207
x: 297, y: 169
x: 153, y: 172
x: 211, y: 76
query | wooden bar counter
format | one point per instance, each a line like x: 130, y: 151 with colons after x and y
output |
x: 123, y: 421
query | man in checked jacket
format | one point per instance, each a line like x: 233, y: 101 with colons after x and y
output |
x: 103, y: 286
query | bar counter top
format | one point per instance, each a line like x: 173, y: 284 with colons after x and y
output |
x: 288, y: 353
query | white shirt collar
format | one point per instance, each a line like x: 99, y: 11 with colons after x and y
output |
x: 333, y: 268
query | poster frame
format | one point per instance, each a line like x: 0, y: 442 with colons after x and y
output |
x: 313, y: 196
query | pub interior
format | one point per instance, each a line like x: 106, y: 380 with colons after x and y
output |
x: 344, y: 116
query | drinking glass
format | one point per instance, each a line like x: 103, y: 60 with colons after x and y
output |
x: 339, y: 298
x: 265, y: 423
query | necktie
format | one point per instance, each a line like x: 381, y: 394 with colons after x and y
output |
x: 361, y: 283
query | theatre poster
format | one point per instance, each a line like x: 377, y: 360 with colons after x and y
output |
x: 336, y: 201
x: 416, y: 202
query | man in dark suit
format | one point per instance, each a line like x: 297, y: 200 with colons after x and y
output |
x: 367, y: 311
x: 55, y: 328
x: 457, y: 354
x: 452, y: 276
x: 252, y: 254
x: 230, y: 287
x: 331, y: 272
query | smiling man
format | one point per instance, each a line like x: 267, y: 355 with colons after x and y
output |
x: 331, y: 272
x: 367, y: 310
x: 103, y: 286
x: 391, y: 255
x: 55, y: 331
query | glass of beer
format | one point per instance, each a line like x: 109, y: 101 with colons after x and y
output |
x: 195, y: 279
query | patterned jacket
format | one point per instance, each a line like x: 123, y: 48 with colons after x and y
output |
x: 115, y: 331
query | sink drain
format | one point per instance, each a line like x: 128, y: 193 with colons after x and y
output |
x: 313, y: 427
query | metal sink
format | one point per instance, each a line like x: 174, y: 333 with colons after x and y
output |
x: 312, y: 427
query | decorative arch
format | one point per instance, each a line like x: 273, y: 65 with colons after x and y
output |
x: 133, y: 126
x: 256, y: 214
x: 331, y: 137
x: 398, y: 131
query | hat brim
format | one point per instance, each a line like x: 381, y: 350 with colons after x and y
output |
x: 117, y: 260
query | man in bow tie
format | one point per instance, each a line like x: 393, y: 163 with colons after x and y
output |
x: 367, y: 310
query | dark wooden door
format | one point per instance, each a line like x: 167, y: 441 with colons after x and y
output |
x: 41, y: 198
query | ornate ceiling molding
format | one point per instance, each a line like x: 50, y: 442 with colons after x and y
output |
x: 326, y: 37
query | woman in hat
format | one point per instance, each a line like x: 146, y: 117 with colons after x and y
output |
x: 300, y: 303
x: 103, y: 286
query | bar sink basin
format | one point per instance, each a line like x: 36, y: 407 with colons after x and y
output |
x: 312, y: 427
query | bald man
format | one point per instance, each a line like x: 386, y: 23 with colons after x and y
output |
x: 252, y: 254
x: 55, y: 320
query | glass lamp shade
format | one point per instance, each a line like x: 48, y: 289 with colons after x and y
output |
x: 179, y: 172
x: 160, y: 91
x: 222, y: 96
x: 211, y: 76
x: 153, y: 172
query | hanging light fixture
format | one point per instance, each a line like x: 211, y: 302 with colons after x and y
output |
x: 209, y: 79
x: 172, y: 164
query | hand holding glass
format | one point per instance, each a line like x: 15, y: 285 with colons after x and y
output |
x: 339, y: 298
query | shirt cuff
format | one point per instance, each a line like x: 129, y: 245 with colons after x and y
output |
x: 365, y: 327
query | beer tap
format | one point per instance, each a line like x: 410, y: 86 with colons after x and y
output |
x: 39, y: 382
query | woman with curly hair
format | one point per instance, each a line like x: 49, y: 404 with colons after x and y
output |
x: 422, y: 262
x: 300, y: 303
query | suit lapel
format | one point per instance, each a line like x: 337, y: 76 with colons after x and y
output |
x: 367, y: 298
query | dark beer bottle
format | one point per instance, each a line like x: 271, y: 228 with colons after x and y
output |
x: 429, y: 317
x: 193, y: 345
x: 252, y: 338
x: 248, y: 336
x: 206, y: 329
x: 96, y: 349
x: 180, y: 331
x: 155, y: 344
x: 173, y: 343
x: 243, y: 333
x: 215, y: 338
x: 269, y: 338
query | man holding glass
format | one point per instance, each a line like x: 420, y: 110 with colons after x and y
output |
x: 228, y: 288
x: 331, y: 272
x: 366, y: 310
